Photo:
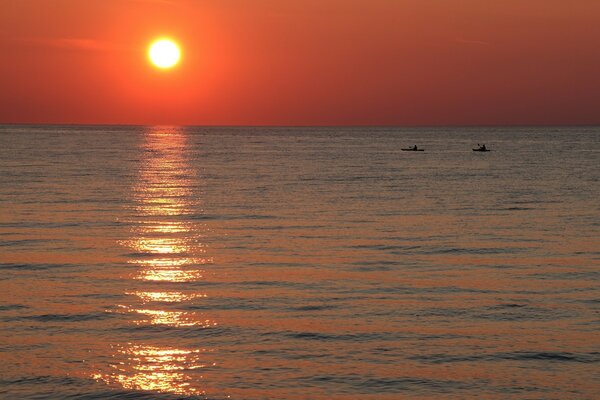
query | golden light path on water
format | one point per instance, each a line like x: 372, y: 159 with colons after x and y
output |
x: 165, y: 297
x: 157, y: 369
x: 166, y: 251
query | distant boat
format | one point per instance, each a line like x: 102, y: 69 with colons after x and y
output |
x: 413, y: 149
x: 481, y: 148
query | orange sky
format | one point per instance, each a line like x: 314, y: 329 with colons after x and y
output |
x: 302, y: 62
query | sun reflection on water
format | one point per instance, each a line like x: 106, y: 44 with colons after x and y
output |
x: 159, y: 246
x: 173, y: 318
x: 166, y: 297
x: 169, y: 275
x: 168, y: 317
x: 167, y: 227
x: 158, y: 369
x: 166, y: 249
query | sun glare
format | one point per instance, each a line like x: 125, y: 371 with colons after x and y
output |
x: 164, y: 53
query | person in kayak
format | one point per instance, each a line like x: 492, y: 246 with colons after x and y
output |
x: 414, y: 147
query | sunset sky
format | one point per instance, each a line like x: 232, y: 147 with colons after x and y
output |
x: 302, y: 62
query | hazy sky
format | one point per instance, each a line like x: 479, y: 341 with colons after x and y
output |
x: 302, y: 62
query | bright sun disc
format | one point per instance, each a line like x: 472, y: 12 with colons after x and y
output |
x: 164, y: 53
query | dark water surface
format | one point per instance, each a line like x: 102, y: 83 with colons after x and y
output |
x: 257, y: 263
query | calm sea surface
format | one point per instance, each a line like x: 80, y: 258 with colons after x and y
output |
x: 305, y: 263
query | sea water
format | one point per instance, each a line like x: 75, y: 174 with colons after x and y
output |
x: 299, y: 263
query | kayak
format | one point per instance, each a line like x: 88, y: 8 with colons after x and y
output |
x: 481, y: 150
x: 412, y: 149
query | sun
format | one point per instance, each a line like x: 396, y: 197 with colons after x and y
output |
x: 164, y: 53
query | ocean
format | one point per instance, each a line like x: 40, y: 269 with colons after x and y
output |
x: 299, y: 263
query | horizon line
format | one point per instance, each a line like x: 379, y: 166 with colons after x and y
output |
x: 302, y: 125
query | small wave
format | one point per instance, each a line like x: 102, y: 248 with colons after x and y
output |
x: 370, y: 384
x: 508, y: 305
x: 72, y: 388
x: 372, y: 268
x: 521, y: 313
x: 9, y: 307
x: 571, y: 275
x: 298, y: 285
x: 38, y: 224
x: 456, y: 289
x: 351, y: 337
x: 228, y: 304
x: 170, y: 331
x: 376, y: 265
x: 383, y: 247
x: 34, y: 267
x: 13, y: 348
x: 593, y: 357
x: 287, y: 227
x: 26, y: 242
x: 67, y: 317
x: 43, y: 379
x: 313, y: 307
x: 404, y: 249
x: 481, y: 250
x: 230, y: 217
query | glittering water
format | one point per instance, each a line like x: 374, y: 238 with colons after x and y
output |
x: 257, y: 263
